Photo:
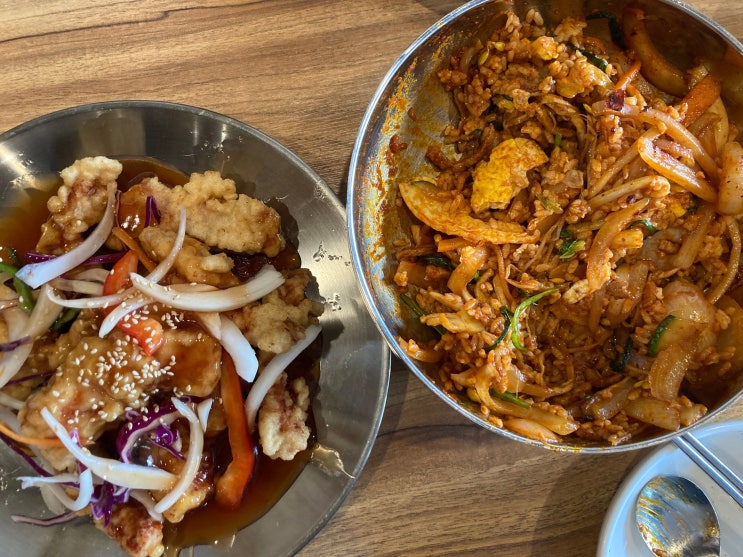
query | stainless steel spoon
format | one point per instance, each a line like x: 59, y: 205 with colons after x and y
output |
x: 676, y: 519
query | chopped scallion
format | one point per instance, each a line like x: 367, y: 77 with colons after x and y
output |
x: 569, y: 249
x: 507, y: 316
x: 510, y: 397
x: 600, y: 63
x: 615, y: 27
x: 649, y: 226
x: 418, y: 311
x: 438, y: 261
x: 516, y: 325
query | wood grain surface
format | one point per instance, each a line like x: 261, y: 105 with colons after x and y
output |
x: 303, y: 72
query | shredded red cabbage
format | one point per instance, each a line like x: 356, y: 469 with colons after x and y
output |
x: 154, y: 423
x: 13, y: 344
x: 30, y: 377
x: 166, y: 437
x: 102, y: 259
x: 105, y: 497
x: 51, y: 521
x: 151, y: 211
x: 24, y: 455
x: 138, y: 178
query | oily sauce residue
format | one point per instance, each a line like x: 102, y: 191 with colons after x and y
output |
x: 209, y: 524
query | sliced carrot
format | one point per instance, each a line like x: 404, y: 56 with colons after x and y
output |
x: 36, y: 441
x: 231, y: 485
x: 701, y: 97
x: 628, y: 76
x: 133, y: 245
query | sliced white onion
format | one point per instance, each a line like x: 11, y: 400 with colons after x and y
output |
x: 10, y: 419
x: 52, y: 485
x: 17, y: 322
x: 88, y: 303
x: 203, y: 409
x: 193, y: 460
x: 45, y: 313
x: 236, y: 345
x: 20, y: 325
x: 272, y: 372
x: 51, y: 501
x: 36, y: 274
x: 96, y: 274
x: 211, y: 321
x: 122, y: 310
x: 145, y: 498
x: 129, y: 303
x: 86, y: 287
x: 10, y: 402
x: 159, y: 272
x: 266, y: 281
x: 113, y: 471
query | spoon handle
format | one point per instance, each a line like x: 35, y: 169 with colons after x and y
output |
x: 712, y: 465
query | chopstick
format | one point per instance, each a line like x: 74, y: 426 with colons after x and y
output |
x: 712, y: 465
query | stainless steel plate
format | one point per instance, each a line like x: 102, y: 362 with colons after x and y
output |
x: 355, y: 362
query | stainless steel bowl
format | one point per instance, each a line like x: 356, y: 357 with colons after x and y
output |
x: 684, y: 35
x: 354, y: 366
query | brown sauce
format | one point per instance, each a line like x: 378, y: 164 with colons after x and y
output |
x: 211, y: 523
x: 20, y: 230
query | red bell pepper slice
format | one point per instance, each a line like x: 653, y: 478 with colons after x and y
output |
x: 148, y: 332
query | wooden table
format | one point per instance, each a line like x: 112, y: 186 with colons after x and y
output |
x: 303, y: 71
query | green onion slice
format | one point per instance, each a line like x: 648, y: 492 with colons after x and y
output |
x: 507, y: 316
x: 510, y: 397
x: 649, y: 226
x: 438, y: 261
x: 517, y: 316
x: 418, y: 311
x: 600, y: 63
x: 569, y: 249
x: 25, y: 295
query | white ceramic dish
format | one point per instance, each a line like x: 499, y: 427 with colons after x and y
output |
x: 619, y: 534
x: 354, y: 364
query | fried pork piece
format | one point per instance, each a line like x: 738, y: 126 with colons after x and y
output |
x: 134, y: 530
x: 97, y: 379
x: 200, y: 489
x: 276, y: 322
x: 195, y: 262
x: 217, y: 215
x: 282, y: 419
x: 79, y: 203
